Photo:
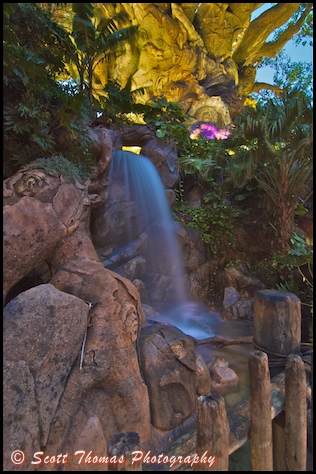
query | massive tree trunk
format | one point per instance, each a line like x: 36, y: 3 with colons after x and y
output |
x: 203, y: 56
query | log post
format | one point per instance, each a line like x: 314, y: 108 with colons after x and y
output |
x: 277, y: 326
x: 212, y: 434
x: 260, y: 412
x: 122, y: 445
x: 295, y: 414
x: 277, y: 331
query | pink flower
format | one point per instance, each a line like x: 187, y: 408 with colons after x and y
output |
x: 209, y: 131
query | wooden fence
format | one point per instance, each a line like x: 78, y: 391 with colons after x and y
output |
x: 220, y: 432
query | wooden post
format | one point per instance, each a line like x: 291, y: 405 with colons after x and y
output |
x: 212, y: 434
x: 278, y: 436
x: 260, y: 412
x: 295, y: 414
x: 277, y: 331
x: 123, y: 445
x: 277, y: 326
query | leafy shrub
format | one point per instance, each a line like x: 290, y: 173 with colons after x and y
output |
x: 59, y: 165
x: 36, y: 106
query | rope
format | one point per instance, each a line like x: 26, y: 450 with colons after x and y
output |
x: 274, y: 358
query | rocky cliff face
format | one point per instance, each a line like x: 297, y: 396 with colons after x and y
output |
x: 55, y: 388
x: 72, y: 366
x: 203, y: 270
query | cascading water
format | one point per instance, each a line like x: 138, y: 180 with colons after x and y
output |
x: 135, y: 183
x: 142, y: 190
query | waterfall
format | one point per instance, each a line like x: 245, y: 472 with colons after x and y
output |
x: 135, y: 187
x: 134, y: 180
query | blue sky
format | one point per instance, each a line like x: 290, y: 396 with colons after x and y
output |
x: 296, y: 53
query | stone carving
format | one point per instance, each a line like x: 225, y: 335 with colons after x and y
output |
x: 173, y: 375
x: 168, y: 59
x: 47, y: 219
x: 192, y: 53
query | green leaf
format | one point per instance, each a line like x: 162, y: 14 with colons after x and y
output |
x: 160, y: 133
x: 240, y: 197
x: 301, y: 210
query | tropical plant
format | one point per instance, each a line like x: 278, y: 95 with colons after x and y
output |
x: 93, y: 39
x: 36, y: 106
x: 274, y: 145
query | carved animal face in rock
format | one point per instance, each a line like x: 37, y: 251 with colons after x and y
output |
x: 39, y: 210
x: 170, y: 372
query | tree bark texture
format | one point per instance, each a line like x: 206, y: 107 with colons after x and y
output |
x: 203, y: 56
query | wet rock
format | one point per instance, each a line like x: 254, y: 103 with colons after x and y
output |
x: 231, y: 296
x: 134, y: 269
x: 109, y: 224
x: 165, y: 160
x: 199, y: 281
x: 149, y: 311
x: 236, y: 307
x: 224, y: 379
x: 239, y: 286
x: 240, y: 278
x: 141, y: 287
x: 243, y: 308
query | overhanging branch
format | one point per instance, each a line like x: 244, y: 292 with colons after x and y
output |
x: 259, y: 30
x: 272, y: 48
x: 258, y: 86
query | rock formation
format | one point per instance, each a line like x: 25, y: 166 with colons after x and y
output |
x: 74, y: 379
x: 47, y: 219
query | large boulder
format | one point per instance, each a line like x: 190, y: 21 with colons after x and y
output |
x: 49, y: 326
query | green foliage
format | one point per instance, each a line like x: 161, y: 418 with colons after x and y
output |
x: 93, y: 41
x: 298, y: 255
x: 214, y: 220
x: 119, y: 103
x: 292, y: 271
x: 170, y: 120
x: 200, y: 156
x: 162, y: 111
x: 304, y: 18
x: 273, y: 145
x: 288, y: 75
x: 57, y: 165
x: 27, y: 25
x: 36, y: 107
